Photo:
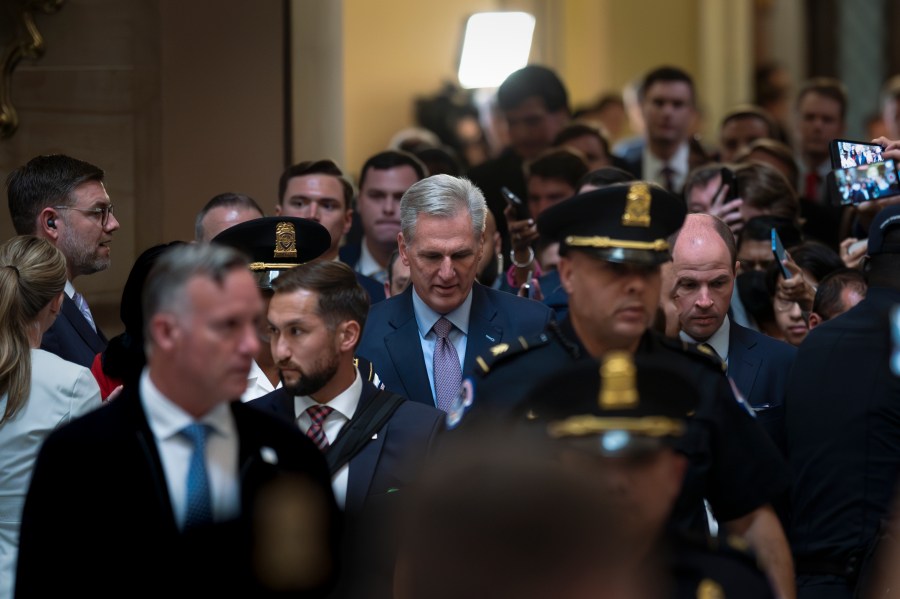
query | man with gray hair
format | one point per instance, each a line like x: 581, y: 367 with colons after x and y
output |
x: 184, y: 494
x: 424, y: 341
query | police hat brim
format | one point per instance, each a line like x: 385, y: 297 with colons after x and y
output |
x: 619, y: 444
x: 626, y: 256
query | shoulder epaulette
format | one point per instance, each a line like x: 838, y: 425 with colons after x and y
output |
x: 504, y: 351
x: 366, y: 369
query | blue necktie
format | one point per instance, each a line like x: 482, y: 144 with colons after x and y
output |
x: 199, y: 503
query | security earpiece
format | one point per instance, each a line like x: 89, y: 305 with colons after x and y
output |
x: 51, y: 222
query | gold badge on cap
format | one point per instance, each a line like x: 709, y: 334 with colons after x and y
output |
x: 285, y: 240
x: 710, y: 589
x: 637, y: 206
x: 617, y: 381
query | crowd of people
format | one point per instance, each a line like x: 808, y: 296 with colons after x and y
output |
x: 574, y: 369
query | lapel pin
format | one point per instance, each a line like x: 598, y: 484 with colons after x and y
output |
x: 491, y: 339
x: 375, y: 436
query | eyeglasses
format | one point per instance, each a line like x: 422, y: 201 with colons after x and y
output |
x: 103, y: 212
x: 781, y: 305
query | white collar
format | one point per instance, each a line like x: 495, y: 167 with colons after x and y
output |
x: 344, y: 403
x: 719, y: 340
x: 167, y: 419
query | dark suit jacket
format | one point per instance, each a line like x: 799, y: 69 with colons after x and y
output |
x: 98, y: 520
x: 385, y: 462
x: 391, y: 337
x: 372, y: 287
x: 72, y: 338
x: 759, y: 367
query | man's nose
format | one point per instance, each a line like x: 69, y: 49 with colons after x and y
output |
x: 703, y: 298
x: 446, y: 271
x: 250, y: 340
x: 112, y: 223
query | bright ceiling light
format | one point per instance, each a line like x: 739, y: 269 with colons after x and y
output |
x: 496, y: 44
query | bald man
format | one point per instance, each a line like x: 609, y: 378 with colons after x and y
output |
x: 704, y: 263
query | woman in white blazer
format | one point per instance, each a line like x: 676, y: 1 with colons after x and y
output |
x: 40, y: 391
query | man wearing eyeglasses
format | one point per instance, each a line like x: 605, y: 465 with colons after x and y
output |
x: 63, y: 200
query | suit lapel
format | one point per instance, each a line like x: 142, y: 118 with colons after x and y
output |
x: 364, y: 463
x: 483, y: 332
x: 405, y: 349
x: 146, y: 447
x: 743, y: 366
x: 94, y: 339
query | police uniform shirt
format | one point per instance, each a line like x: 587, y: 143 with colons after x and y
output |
x: 733, y: 463
x: 258, y: 384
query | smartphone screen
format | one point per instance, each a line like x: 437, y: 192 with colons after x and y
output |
x: 867, y: 182
x: 778, y: 251
x: 848, y: 154
x: 895, y: 340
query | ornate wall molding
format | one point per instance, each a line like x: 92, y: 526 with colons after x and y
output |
x: 19, y: 38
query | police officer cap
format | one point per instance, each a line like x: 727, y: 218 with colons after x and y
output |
x: 884, y: 221
x: 276, y: 243
x: 627, y: 222
x: 626, y: 405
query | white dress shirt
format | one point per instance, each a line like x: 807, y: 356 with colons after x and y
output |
x: 368, y: 265
x: 258, y: 384
x: 426, y: 318
x: 679, y: 163
x: 167, y: 420
x: 344, y: 407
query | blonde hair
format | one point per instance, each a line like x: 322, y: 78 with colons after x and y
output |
x: 32, y: 273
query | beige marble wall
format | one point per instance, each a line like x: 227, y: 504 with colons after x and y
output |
x: 176, y: 101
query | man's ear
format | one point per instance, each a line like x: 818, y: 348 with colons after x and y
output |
x: 48, y: 224
x: 164, y: 331
x: 402, y: 250
x: 348, y: 220
x: 815, y: 320
x: 565, y: 273
x: 348, y: 333
x: 278, y: 209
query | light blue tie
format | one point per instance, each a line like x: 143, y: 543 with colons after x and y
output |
x: 82, y: 305
x: 199, y: 504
